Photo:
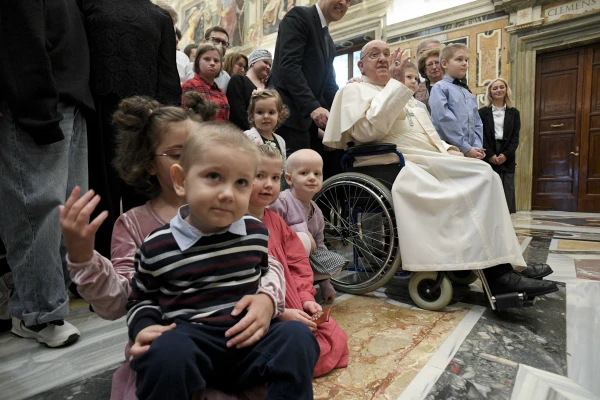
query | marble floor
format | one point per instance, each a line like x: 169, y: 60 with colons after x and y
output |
x: 398, y: 351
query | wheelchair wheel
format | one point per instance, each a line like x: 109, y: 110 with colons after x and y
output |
x: 360, y: 226
x: 462, y: 277
x: 420, y: 292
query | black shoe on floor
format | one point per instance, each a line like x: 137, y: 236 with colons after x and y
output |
x: 536, y: 271
x: 514, y: 282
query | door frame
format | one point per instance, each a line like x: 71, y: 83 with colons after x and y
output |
x: 523, y: 50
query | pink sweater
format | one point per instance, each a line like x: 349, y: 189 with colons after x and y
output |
x: 105, y: 285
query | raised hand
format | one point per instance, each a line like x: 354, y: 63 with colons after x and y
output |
x: 398, y: 65
x: 73, y: 217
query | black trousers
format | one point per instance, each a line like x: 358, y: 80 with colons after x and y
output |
x: 104, y: 179
x: 190, y: 357
x: 508, y: 184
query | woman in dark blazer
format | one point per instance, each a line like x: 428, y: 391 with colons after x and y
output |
x: 501, y: 126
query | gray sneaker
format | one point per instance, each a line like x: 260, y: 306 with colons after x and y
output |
x: 52, y: 334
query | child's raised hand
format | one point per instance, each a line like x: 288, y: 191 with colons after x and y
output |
x: 146, y: 336
x: 312, y: 307
x: 291, y: 314
x: 255, y: 323
x: 77, y: 233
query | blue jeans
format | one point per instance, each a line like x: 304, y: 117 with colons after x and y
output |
x: 36, y: 179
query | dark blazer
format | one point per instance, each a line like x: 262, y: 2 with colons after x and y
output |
x: 239, y: 91
x: 512, y: 126
x: 132, y: 49
x: 302, y: 72
x: 44, y: 60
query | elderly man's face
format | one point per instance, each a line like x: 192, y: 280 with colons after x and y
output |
x: 375, y: 63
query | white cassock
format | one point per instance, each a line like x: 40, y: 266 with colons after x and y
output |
x: 451, y: 212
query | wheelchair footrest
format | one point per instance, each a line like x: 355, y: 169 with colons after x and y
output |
x: 512, y: 300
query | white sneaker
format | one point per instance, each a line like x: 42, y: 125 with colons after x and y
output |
x: 54, y: 334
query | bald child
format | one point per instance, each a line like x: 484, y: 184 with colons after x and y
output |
x: 304, y: 175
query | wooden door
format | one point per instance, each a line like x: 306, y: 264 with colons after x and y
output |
x: 589, y: 181
x: 566, y: 169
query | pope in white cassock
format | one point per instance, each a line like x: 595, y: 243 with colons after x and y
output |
x: 451, y: 212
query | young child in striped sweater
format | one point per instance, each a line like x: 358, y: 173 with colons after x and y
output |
x: 193, y: 271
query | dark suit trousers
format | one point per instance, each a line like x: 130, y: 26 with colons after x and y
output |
x: 103, y: 177
x: 508, y: 183
x: 294, y: 139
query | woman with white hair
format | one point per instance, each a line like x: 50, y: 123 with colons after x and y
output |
x: 501, y: 126
x: 241, y: 87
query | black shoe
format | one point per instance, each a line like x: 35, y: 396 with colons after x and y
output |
x: 536, y: 271
x: 514, y: 282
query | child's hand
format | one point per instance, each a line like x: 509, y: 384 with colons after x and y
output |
x: 291, y: 314
x: 313, y: 244
x: 475, y: 152
x: 311, y: 307
x: 455, y: 153
x: 144, y: 339
x: 255, y: 323
x: 77, y: 233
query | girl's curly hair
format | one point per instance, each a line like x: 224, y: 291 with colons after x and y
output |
x: 262, y: 94
x: 139, y: 122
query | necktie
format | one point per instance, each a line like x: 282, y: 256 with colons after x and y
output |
x: 326, y: 37
x: 462, y: 83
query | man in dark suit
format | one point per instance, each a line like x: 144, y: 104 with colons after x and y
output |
x: 303, y: 69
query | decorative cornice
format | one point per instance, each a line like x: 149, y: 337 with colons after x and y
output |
x: 524, y: 27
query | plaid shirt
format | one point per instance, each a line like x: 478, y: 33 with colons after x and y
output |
x: 210, y: 92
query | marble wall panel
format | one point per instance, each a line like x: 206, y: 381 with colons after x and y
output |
x: 489, y: 57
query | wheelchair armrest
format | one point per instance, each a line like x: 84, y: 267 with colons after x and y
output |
x: 371, y: 148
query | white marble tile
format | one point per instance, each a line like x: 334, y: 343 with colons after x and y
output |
x: 583, y: 327
x: 559, y: 214
x: 525, y: 243
x: 583, y: 229
x: 420, y: 386
x: 535, y: 384
x: 28, y: 369
x: 563, y: 267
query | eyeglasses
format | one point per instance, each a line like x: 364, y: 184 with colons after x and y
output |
x: 174, y: 154
x: 432, y: 64
x: 221, y: 42
x: 374, y: 55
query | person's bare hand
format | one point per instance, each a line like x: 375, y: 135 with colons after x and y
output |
x: 291, y: 314
x: 313, y: 244
x: 320, y: 116
x: 456, y: 153
x: 475, y: 152
x: 494, y: 159
x: 355, y: 79
x: 501, y: 159
x: 77, y: 233
x: 311, y: 307
x: 320, y: 133
x: 146, y: 336
x: 398, y: 65
x: 255, y: 323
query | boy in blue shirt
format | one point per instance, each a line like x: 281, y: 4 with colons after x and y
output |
x: 453, y: 107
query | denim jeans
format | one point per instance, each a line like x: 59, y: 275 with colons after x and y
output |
x: 36, y: 179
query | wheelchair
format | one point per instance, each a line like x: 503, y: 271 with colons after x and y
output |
x: 360, y: 225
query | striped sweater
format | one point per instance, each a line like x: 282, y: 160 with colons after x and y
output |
x: 200, y: 284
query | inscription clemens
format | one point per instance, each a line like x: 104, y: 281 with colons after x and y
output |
x: 574, y: 7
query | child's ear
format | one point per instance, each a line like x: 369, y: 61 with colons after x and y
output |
x: 288, y: 178
x: 444, y: 64
x: 178, y: 178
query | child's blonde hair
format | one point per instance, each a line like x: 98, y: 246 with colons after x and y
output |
x: 270, y: 152
x: 139, y: 122
x: 212, y: 134
x: 264, y: 94
x: 451, y: 49
x: 507, y: 97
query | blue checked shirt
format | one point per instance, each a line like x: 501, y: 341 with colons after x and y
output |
x: 454, y: 115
